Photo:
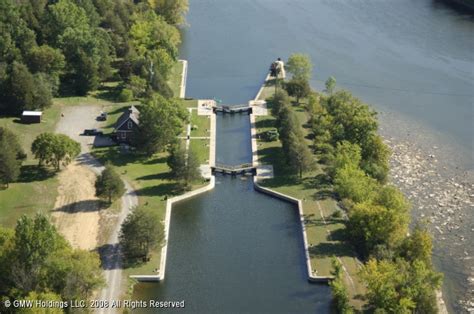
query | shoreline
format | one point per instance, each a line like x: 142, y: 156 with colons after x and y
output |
x: 442, y: 202
x: 442, y: 306
x: 435, y: 172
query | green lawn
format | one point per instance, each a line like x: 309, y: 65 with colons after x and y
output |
x: 201, y: 148
x: 153, y: 182
x: 318, y: 206
x: 188, y: 103
x: 200, y: 125
x: 26, y: 133
x: 175, y: 78
x: 268, y: 91
x: 36, y: 189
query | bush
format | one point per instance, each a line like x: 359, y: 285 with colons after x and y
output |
x: 271, y: 135
x: 337, y: 214
x: 125, y: 95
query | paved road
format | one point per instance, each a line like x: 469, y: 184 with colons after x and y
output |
x: 73, y: 123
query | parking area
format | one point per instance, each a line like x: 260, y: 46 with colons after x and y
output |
x: 74, y: 120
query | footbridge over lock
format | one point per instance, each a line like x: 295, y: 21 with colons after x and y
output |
x: 232, y: 109
x: 234, y: 170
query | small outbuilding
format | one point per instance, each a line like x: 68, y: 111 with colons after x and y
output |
x: 31, y: 116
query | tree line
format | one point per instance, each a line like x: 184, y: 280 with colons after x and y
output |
x: 68, y: 47
x: 398, y: 270
x: 39, y: 264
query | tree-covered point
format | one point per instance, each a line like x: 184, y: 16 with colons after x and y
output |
x: 71, y: 46
x: 342, y: 117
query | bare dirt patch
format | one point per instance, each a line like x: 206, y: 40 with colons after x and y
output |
x: 77, y: 209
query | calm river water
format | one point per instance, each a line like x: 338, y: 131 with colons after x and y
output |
x: 234, y: 250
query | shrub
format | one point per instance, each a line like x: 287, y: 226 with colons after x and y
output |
x: 125, y: 95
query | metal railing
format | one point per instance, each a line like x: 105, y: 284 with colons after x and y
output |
x: 234, y: 167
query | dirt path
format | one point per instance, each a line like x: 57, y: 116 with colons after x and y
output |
x: 76, y: 212
x: 111, y: 255
x: 83, y: 225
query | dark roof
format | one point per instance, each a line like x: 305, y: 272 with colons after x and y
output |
x: 131, y: 113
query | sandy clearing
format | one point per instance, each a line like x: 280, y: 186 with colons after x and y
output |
x: 76, y: 213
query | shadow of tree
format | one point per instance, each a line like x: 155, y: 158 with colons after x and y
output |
x: 328, y: 249
x: 116, y: 158
x: 118, y: 110
x: 323, y: 194
x: 32, y: 173
x: 110, y: 256
x: 108, y: 93
x: 266, y: 123
x: 155, y: 160
x: 274, y: 156
x: 164, y: 189
x: 311, y: 220
x: 82, y: 207
x: 157, y: 176
x: 339, y: 234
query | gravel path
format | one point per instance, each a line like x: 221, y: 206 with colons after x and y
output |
x: 73, y: 122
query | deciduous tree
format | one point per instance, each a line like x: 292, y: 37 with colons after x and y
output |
x: 140, y: 232
x: 338, y: 289
x: 55, y: 149
x: 401, y: 287
x: 37, y: 308
x: 383, y: 280
x: 172, y: 10
x: 417, y: 246
x: 372, y: 225
x: 298, y: 88
x: 300, y: 66
x: 160, y: 122
x: 354, y: 184
x: 109, y: 185
x: 345, y: 155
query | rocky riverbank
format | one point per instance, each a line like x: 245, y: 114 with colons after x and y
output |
x: 444, y: 201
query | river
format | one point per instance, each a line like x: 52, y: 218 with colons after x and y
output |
x: 412, y: 61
